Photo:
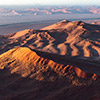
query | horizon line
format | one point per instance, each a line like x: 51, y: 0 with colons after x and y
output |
x: 49, y: 5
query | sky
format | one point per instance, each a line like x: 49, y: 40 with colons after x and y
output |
x: 49, y: 2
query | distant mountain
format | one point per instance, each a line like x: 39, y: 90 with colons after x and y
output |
x: 44, y: 10
x: 9, y: 12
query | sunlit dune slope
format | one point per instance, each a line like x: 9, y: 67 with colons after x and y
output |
x: 20, y: 33
x: 24, y: 74
x: 71, y: 25
x: 25, y: 57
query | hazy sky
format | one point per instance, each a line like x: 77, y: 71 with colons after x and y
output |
x: 50, y: 2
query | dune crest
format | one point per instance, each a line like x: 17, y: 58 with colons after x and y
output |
x: 20, y: 33
x: 63, y: 38
x: 26, y: 56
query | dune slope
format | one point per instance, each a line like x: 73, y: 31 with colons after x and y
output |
x: 26, y: 75
x: 64, y: 38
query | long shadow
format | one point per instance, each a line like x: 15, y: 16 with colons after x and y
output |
x: 85, y: 64
x: 81, y: 52
x: 15, y: 87
x: 93, y: 52
x: 69, y: 50
x: 59, y: 35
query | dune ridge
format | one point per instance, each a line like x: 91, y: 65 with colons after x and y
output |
x: 58, y: 62
x: 63, y: 38
x: 25, y: 74
x: 25, y: 55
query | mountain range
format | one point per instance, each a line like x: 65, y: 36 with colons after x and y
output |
x: 49, y: 10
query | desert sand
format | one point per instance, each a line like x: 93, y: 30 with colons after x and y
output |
x: 57, y: 62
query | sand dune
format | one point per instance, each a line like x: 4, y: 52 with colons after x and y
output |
x: 64, y: 38
x: 36, y: 58
x: 21, y: 33
x: 58, y: 62
x: 26, y: 75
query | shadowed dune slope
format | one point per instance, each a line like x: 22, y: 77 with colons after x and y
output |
x: 24, y: 74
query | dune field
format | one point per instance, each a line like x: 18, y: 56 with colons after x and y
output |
x: 57, y: 62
